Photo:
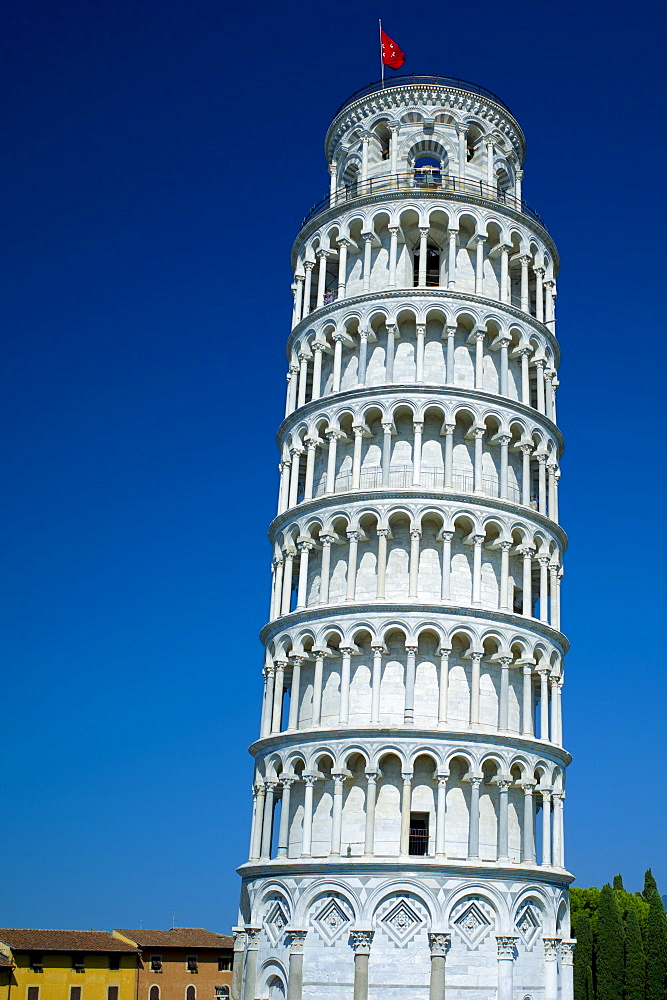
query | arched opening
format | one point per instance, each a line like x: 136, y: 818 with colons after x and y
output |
x: 432, y: 265
x: 428, y: 171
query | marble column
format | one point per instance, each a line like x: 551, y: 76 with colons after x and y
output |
x: 506, y: 951
x: 252, y: 948
x: 237, y: 966
x: 551, y: 950
x: 295, y: 975
x: 361, y: 943
x: 439, y: 946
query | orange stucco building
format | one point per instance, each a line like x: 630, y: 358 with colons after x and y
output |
x: 185, y: 963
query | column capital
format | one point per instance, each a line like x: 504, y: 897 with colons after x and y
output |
x: 306, y: 546
x: 551, y: 948
x: 296, y: 940
x: 347, y: 650
x: 317, y: 345
x: 252, y: 937
x: 378, y: 648
x: 505, y: 546
x: 415, y: 532
x: 309, y: 264
x: 288, y: 780
x: 354, y: 536
x: 424, y: 230
x: 394, y: 230
x: 362, y: 941
x: 411, y: 649
x: 339, y: 777
x: 372, y: 776
x: 439, y: 943
x: 506, y: 945
x: 567, y: 951
x: 309, y: 778
x: 382, y: 532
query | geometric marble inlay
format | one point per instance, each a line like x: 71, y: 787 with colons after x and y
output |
x: 528, y: 925
x: 473, y: 925
x: 331, y: 921
x: 402, y: 922
x: 276, y: 922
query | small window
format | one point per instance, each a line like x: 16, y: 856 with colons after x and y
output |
x: 36, y: 962
x: 418, y: 834
x: 222, y: 993
x: 154, y: 993
x: 192, y: 964
x: 112, y: 993
x: 156, y: 966
x: 75, y: 993
x: 33, y: 993
x: 114, y: 963
x: 190, y: 993
x: 224, y: 963
x: 78, y: 964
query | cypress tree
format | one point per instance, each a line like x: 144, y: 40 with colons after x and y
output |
x: 618, y: 883
x: 635, y: 960
x: 583, y: 959
x: 650, y: 885
x: 656, y: 949
x: 610, y: 948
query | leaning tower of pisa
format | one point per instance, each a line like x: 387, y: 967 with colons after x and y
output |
x: 407, y: 833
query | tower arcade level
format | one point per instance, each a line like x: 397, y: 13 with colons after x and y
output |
x: 407, y: 834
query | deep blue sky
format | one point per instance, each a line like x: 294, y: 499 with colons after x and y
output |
x: 158, y: 158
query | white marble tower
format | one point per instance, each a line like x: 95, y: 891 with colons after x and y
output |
x: 407, y: 836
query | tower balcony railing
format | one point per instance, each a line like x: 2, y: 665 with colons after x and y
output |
x: 401, y: 477
x: 434, y: 181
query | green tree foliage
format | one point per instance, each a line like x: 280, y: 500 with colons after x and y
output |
x: 610, y: 948
x: 618, y: 883
x: 583, y: 958
x: 634, y: 986
x: 650, y: 885
x: 656, y: 947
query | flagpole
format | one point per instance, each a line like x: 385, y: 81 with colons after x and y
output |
x: 381, y: 59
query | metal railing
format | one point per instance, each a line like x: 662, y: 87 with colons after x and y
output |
x: 401, y: 478
x: 421, y: 181
x: 412, y: 79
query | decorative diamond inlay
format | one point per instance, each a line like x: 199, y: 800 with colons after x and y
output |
x: 473, y: 925
x: 402, y: 922
x: 528, y: 925
x: 331, y: 920
x: 276, y: 921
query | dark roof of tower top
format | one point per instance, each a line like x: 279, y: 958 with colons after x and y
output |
x: 415, y: 78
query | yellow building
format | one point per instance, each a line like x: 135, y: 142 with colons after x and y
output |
x: 66, y: 965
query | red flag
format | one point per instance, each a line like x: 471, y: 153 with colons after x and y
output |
x: 392, y: 55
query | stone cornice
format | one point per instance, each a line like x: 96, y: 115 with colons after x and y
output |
x: 326, y: 312
x: 432, y: 95
x: 415, y: 389
x: 346, y: 867
x: 335, y: 211
x: 361, y: 609
x: 419, y: 736
x: 413, y: 495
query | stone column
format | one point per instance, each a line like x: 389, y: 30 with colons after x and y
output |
x: 317, y: 686
x: 417, y: 427
x: 368, y: 246
x: 252, y: 948
x: 267, y: 708
x: 439, y: 946
x: 346, y: 653
x: 353, y: 537
x: 551, y: 949
x: 410, y: 672
x: 503, y: 821
x: 307, y: 840
x: 326, y: 542
x: 503, y: 441
x: 527, y: 555
x: 383, y: 534
x: 237, y: 965
x: 294, y: 698
x: 423, y: 247
x: 539, y: 380
x: 338, y: 361
x: 375, y: 684
x: 308, y: 267
x: 504, y: 704
x: 544, y: 587
x: 539, y: 294
x: 283, y: 832
x: 524, y: 261
x: 258, y: 817
x: 517, y: 189
x: 479, y: 358
x: 544, y: 702
x: 475, y: 659
x: 440, y: 817
x: 443, y: 687
x: 558, y: 848
x: 305, y: 548
x: 524, y: 354
x: 343, y: 246
x: 553, y: 505
x: 394, y: 131
x: 504, y: 276
x: 449, y: 455
x: 358, y: 430
x: 546, y: 826
x: 542, y: 483
x: 450, y: 333
x: 406, y: 805
x: 321, y: 277
x: 491, y: 194
x: 318, y: 351
x: 337, y: 813
x: 462, y: 131
x: 473, y: 824
x: 371, y: 795
x: 478, y: 541
x: 303, y: 377
x: 363, y: 356
x: 267, y: 825
x: 478, y: 435
x: 361, y: 942
x: 365, y: 140
x: 566, y: 970
x: 387, y: 427
x: 298, y: 299
x: 526, y: 451
x: 393, y: 254
x: 277, y: 718
x: 295, y: 975
x: 527, y: 710
x: 334, y: 437
x: 419, y: 359
x: 415, y: 536
x: 506, y: 949
x: 528, y: 839
x: 295, y: 456
x: 446, y: 538
x: 505, y: 603
x: 389, y: 359
x: 479, y: 264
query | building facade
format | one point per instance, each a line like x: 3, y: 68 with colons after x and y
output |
x: 407, y: 834
x: 184, y: 963
x: 66, y: 965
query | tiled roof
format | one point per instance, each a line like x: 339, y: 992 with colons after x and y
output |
x: 178, y: 937
x: 5, y: 961
x: 22, y: 939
